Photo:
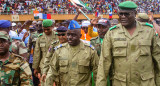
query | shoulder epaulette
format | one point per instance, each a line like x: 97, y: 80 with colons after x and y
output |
x: 150, y: 25
x: 112, y: 27
x: 89, y: 45
x: 55, y: 42
x: 18, y: 56
x: 59, y: 46
x: 40, y: 35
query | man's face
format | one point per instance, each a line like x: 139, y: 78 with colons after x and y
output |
x: 32, y: 30
x: 4, y: 46
x: 14, y: 27
x: 47, y: 30
x: 85, y: 29
x: 39, y: 26
x: 62, y: 37
x: 127, y: 17
x: 102, y: 30
x: 73, y: 37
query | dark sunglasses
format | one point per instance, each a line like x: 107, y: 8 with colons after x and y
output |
x: 125, y: 14
x: 61, y: 34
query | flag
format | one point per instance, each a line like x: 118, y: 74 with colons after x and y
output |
x: 44, y: 16
x: 96, y: 14
x: 79, y: 3
x: 36, y: 14
x: 48, y: 16
x: 110, y: 15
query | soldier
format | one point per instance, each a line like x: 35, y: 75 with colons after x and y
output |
x: 143, y: 17
x: 39, y: 27
x: 31, y: 46
x: 17, y: 46
x: 14, y: 70
x: 73, y: 62
x: 42, y: 45
x: 62, y: 36
x: 103, y: 26
x: 133, y: 49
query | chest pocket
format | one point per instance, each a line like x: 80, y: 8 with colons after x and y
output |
x: 144, y: 46
x: 83, y: 66
x: 43, y: 46
x: 63, y: 66
x: 120, y: 48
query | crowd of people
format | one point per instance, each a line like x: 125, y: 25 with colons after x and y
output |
x: 65, y: 6
x: 100, y: 52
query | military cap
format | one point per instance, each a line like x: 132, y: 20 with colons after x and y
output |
x: 66, y: 22
x: 127, y: 5
x: 104, y: 22
x: 61, y: 29
x: 32, y: 27
x: 143, y: 16
x: 47, y: 23
x: 73, y: 25
x: 5, y: 23
x: 4, y: 35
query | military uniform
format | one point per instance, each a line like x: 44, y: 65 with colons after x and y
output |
x: 133, y: 56
x: 32, y: 41
x: 15, y: 72
x: 96, y: 42
x: 72, y: 65
x: 49, y: 56
x: 18, y: 47
x: 42, y: 45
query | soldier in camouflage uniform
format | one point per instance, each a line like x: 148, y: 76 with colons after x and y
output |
x: 14, y: 70
x: 31, y: 46
x: 72, y: 62
x: 42, y: 45
x: 32, y: 39
x: 62, y: 36
x: 17, y: 45
x: 133, y: 49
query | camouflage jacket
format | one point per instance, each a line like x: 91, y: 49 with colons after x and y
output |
x: 32, y: 41
x: 97, y: 44
x: 15, y: 72
x: 18, y: 47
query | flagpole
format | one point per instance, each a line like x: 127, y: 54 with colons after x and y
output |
x: 84, y: 14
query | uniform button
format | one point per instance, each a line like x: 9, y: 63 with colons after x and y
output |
x: 136, y: 60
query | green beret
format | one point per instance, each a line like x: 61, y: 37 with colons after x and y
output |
x: 47, y: 23
x: 143, y: 16
x: 127, y: 5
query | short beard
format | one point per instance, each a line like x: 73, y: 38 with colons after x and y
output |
x: 3, y: 53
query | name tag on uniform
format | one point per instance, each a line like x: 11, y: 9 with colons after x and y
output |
x: 119, y: 39
x: 133, y: 47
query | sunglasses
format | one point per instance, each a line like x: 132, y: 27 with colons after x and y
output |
x: 61, y: 34
x: 125, y: 14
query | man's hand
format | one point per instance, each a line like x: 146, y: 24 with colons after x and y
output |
x: 36, y: 72
x: 95, y: 20
x: 43, y: 77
